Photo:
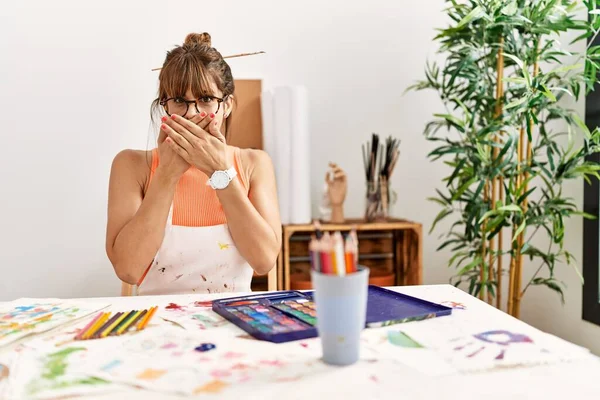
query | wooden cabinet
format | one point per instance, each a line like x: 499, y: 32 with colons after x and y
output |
x: 393, y: 251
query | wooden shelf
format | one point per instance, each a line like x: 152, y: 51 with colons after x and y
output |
x: 389, y: 248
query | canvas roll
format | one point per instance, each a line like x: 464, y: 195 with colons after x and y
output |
x: 300, y: 212
x: 282, y: 110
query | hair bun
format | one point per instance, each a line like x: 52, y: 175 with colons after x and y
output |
x: 198, y: 39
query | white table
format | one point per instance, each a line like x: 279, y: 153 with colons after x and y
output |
x: 369, y: 379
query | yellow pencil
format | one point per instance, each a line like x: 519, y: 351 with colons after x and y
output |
x: 126, y: 325
x: 146, y: 319
x: 112, y: 326
x: 96, y: 326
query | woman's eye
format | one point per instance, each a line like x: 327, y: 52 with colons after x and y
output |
x: 205, y: 99
x: 179, y: 100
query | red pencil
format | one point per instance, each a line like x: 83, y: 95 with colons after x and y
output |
x: 325, y: 251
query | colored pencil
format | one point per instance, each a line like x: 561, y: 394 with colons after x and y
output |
x: 106, y: 324
x: 96, y: 326
x: 314, y: 255
x: 108, y: 330
x: 137, y: 319
x: 338, y: 252
x: 147, y: 319
x: 354, y: 237
x: 128, y: 315
x: 128, y: 322
x: 349, y: 256
x: 88, y: 326
x: 325, y: 249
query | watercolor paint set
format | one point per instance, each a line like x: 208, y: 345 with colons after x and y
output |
x: 291, y: 315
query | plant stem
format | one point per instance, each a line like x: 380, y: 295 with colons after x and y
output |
x: 500, y: 179
x: 519, y: 271
x: 482, y: 278
x: 536, y: 272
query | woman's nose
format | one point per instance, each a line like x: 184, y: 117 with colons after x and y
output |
x: 192, y: 111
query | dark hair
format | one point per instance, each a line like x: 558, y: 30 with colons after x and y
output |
x: 194, y: 65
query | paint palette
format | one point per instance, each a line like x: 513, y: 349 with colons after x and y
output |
x: 279, y: 317
x: 291, y: 315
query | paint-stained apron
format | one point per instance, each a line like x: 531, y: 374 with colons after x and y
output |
x: 196, y: 260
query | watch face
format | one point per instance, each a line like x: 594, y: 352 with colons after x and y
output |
x: 219, y: 179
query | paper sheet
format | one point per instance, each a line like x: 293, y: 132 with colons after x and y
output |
x: 24, y: 317
x: 164, y: 359
x: 472, y: 346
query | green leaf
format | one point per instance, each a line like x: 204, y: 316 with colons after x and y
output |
x: 511, y: 208
x: 463, y: 188
x: 470, y: 266
x: 582, y: 125
x: 518, y: 231
x: 516, y: 103
x: 441, y: 215
x: 475, y: 13
x: 548, y: 94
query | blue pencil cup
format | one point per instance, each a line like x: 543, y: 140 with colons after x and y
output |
x: 341, y: 311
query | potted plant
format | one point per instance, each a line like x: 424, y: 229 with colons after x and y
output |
x: 510, y: 137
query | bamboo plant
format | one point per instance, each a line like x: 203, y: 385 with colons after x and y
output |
x: 510, y: 138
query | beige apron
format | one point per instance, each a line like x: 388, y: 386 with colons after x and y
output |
x: 196, y: 260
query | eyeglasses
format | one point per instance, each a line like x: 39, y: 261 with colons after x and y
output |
x: 180, y: 106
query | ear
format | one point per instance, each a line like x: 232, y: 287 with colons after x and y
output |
x: 228, y: 106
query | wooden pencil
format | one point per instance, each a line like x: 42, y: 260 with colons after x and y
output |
x: 146, y: 320
x: 128, y: 322
x: 88, y: 326
x: 349, y: 256
x: 108, y: 330
x: 338, y: 254
x: 325, y: 252
x: 96, y: 326
x: 128, y: 316
x: 314, y: 254
x: 354, y: 237
x: 137, y: 319
x: 105, y: 325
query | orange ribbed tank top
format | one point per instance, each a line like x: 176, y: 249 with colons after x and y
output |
x: 195, y: 203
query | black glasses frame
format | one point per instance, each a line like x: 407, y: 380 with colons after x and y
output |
x: 195, y: 102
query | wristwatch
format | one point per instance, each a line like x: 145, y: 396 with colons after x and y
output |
x: 220, y: 179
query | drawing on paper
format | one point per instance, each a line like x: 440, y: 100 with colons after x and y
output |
x: 494, y: 344
x: 401, y: 339
x: 53, y: 374
x: 193, y: 315
x: 498, y: 339
x: 453, y: 304
x: 4, y: 372
x: 27, y: 316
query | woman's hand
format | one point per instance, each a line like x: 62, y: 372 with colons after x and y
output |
x: 200, y: 143
x: 171, y: 165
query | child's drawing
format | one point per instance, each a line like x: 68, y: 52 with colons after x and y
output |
x: 192, y: 316
x: 454, y: 304
x: 23, y: 317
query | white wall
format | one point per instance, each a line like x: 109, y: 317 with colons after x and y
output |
x: 76, y: 86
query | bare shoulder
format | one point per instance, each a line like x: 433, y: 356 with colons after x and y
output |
x: 132, y: 164
x: 256, y: 159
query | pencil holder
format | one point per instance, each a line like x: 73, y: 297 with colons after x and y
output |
x: 341, y: 303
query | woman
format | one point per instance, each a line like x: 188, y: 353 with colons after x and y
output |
x: 194, y: 215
